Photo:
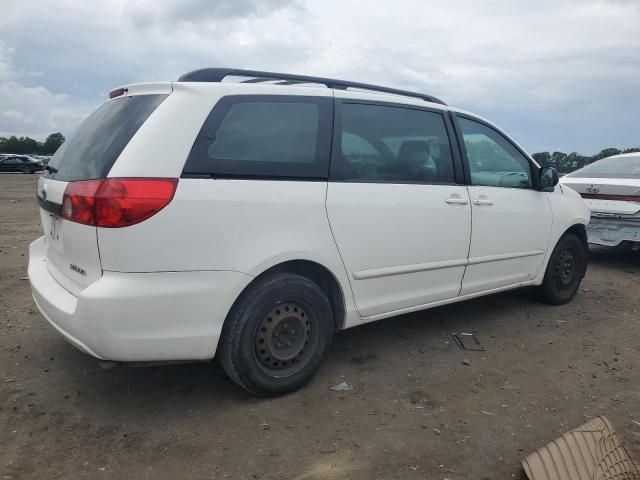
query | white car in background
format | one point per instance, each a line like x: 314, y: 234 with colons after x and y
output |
x: 611, y: 189
x: 250, y: 215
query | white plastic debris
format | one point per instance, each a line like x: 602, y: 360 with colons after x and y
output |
x: 342, y: 387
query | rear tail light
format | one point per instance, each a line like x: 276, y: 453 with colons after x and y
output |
x: 620, y: 198
x: 116, y: 202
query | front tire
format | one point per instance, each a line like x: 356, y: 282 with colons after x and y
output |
x: 277, y: 334
x: 565, y: 270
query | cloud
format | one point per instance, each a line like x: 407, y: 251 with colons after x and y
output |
x: 557, y: 74
x: 36, y: 112
x: 33, y: 111
x: 196, y: 11
x: 6, y: 66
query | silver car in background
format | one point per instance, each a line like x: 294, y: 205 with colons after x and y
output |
x: 611, y: 189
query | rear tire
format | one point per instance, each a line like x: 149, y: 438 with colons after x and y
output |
x: 565, y: 271
x: 277, y: 334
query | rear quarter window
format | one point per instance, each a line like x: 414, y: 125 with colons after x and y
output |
x: 264, y: 136
x: 94, y: 147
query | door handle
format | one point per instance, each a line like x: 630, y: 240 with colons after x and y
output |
x: 456, y: 201
x: 482, y: 202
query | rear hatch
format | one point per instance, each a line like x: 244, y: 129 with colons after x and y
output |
x: 608, y: 196
x: 72, y: 252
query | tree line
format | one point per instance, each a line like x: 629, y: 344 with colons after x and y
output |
x: 26, y: 145
x: 566, y: 163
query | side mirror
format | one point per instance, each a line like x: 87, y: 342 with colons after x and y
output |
x: 548, y: 179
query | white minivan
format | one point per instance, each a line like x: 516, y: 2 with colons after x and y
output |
x: 253, y: 214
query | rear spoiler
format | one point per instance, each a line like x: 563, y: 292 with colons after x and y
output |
x: 141, y: 89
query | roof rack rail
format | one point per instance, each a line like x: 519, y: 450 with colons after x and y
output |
x: 255, y: 76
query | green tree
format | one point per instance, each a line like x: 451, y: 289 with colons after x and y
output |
x: 12, y: 145
x: 27, y: 145
x: 607, y: 152
x: 543, y: 158
x: 559, y: 160
x: 631, y: 150
x: 52, y: 143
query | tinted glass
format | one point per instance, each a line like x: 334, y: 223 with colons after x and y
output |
x: 392, y: 145
x: 615, y: 167
x: 493, y: 160
x: 267, y: 132
x: 95, y: 146
x: 273, y: 136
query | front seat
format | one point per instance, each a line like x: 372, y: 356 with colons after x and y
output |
x: 415, y: 163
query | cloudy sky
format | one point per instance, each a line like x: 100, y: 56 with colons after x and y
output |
x: 556, y: 74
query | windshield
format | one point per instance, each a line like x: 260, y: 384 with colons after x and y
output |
x: 613, y: 167
x: 95, y: 146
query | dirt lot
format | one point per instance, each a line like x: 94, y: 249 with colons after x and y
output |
x: 416, y: 411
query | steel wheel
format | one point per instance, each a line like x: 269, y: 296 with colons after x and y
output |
x: 565, y: 269
x: 285, y: 339
x: 277, y: 334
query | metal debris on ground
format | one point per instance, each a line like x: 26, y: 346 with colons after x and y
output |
x: 342, y: 387
x: 467, y: 341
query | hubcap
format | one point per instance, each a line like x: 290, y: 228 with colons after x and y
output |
x: 282, y: 339
x: 565, y: 268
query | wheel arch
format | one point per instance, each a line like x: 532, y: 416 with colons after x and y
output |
x: 318, y: 274
x: 578, y: 228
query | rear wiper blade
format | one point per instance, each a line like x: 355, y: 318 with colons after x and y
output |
x: 50, y: 169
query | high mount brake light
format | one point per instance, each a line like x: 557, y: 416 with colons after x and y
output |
x: 116, y: 202
x: 118, y: 92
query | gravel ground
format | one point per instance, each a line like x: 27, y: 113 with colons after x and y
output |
x: 420, y: 407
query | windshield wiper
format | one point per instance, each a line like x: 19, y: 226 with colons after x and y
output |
x: 51, y: 169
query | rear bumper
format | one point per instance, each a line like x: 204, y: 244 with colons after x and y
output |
x: 611, y: 231
x: 127, y: 317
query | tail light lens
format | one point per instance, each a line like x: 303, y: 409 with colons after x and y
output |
x: 621, y: 198
x: 116, y: 202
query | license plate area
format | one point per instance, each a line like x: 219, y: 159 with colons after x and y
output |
x: 53, y: 231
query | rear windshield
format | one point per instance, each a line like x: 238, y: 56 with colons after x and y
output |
x: 95, y: 146
x: 615, y: 167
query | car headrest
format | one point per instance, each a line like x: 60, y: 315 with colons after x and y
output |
x: 409, y: 147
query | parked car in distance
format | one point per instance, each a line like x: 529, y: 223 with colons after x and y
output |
x: 19, y: 163
x: 611, y: 189
x: 43, y: 159
x: 249, y: 215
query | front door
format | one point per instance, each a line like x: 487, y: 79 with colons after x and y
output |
x: 401, y: 222
x: 511, y: 220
